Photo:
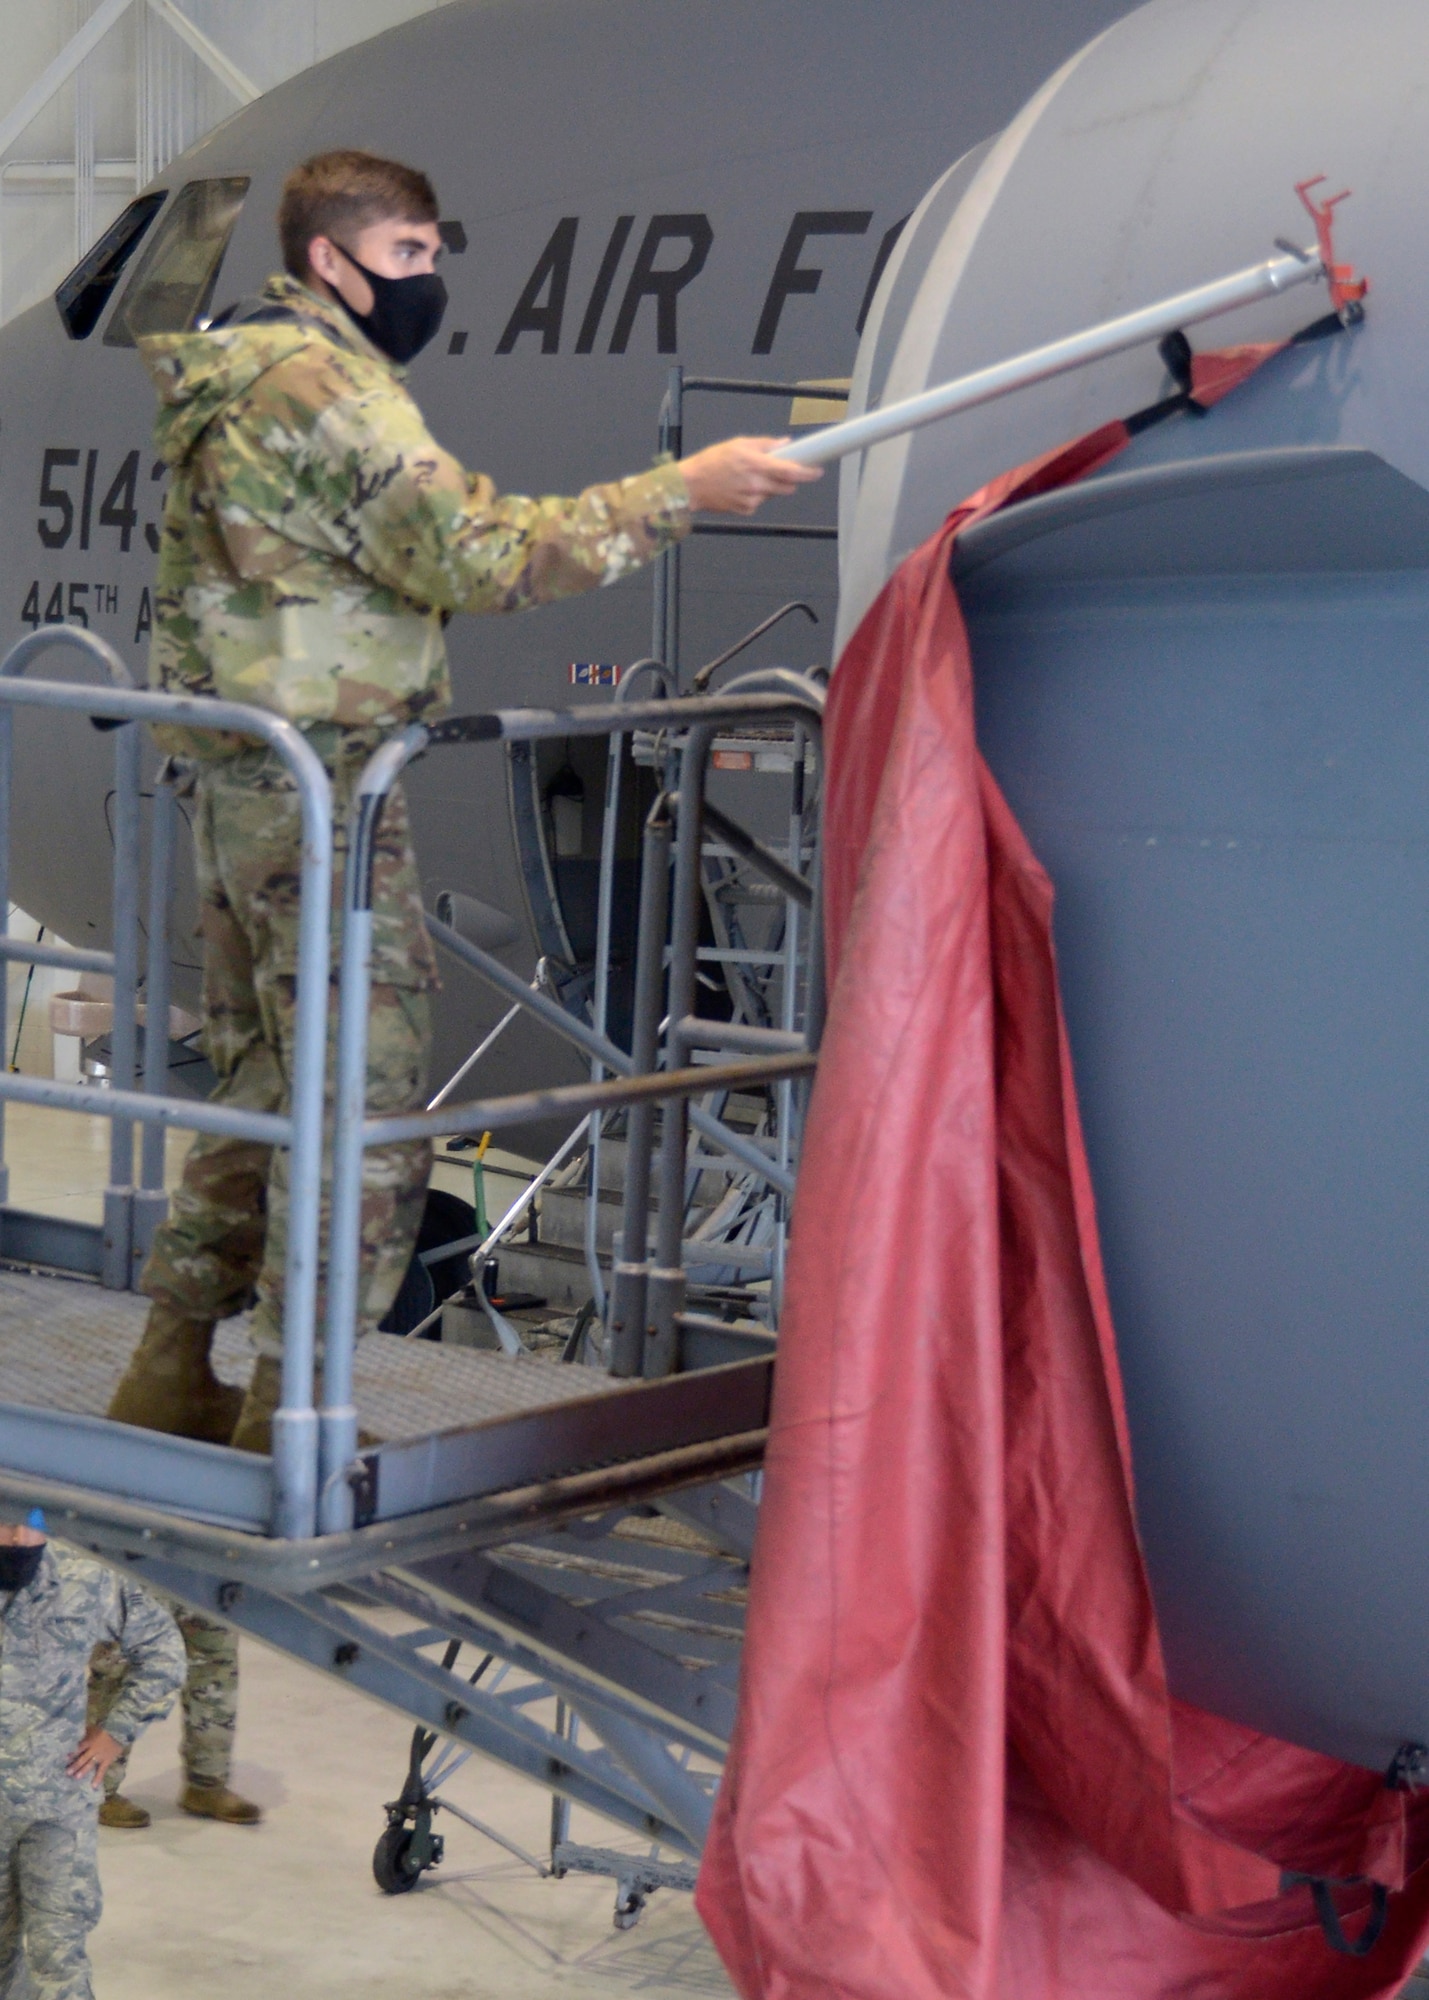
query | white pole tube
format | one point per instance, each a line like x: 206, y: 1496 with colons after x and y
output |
x: 1059, y: 357
x: 475, y: 1057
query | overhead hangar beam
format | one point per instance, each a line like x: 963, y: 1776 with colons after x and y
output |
x: 58, y: 73
x: 208, y: 53
x: 54, y: 78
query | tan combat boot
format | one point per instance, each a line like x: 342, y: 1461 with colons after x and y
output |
x: 217, y: 1802
x: 169, y: 1384
x: 254, y: 1428
x: 117, y: 1811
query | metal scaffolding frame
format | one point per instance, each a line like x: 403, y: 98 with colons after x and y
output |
x: 536, y: 1536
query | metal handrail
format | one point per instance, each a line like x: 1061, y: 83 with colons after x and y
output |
x: 295, y: 1454
x: 123, y: 958
x: 664, y: 1280
x: 571, y: 1029
x: 604, y: 912
x: 150, y: 1203
x: 767, y: 696
x: 527, y: 1107
x: 791, y: 691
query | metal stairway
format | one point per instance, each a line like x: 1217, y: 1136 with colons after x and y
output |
x: 547, y: 1256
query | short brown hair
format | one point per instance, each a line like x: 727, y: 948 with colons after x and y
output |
x: 344, y: 192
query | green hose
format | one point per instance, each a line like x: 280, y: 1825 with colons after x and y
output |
x: 478, y: 1187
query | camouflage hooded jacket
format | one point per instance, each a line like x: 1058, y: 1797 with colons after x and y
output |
x: 315, y: 534
x: 47, y: 1632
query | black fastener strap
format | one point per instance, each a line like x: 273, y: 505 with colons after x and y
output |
x: 1322, y: 1889
x: 1408, y: 1768
x: 1335, y: 1937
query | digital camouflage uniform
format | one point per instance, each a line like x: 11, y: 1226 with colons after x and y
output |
x: 49, y: 1881
x: 209, y: 1696
x: 315, y: 539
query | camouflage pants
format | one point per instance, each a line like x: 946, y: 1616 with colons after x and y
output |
x: 209, y: 1697
x: 49, y: 1898
x: 226, y: 1236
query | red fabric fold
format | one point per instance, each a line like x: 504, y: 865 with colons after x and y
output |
x: 957, y: 1769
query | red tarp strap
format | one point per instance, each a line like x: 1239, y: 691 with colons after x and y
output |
x: 957, y: 1770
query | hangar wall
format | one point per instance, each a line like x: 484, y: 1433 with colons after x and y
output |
x: 161, y: 74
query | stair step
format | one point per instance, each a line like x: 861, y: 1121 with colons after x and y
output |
x: 552, y: 1271
x: 557, y: 1273
x: 614, y: 1155
x: 562, y: 1219
x: 561, y: 1216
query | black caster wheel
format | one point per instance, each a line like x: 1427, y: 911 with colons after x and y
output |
x: 393, y: 1868
x: 629, y: 1908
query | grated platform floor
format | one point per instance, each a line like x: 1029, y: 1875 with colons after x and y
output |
x: 65, y: 1342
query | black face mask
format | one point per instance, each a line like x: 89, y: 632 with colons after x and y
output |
x: 406, y: 312
x: 19, y: 1566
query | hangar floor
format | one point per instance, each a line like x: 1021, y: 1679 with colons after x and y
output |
x: 291, y: 1906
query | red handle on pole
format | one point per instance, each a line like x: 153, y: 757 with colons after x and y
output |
x: 1346, y: 290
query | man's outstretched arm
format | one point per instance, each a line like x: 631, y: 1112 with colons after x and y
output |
x: 387, y: 498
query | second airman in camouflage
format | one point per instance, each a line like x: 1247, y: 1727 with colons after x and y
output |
x: 209, y: 1698
x: 55, y: 1607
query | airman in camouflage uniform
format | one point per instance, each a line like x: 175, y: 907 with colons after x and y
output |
x: 49, y: 1881
x: 210, y: 1711
x: 317, y: 538
x: 315, y: 541
x: 314, y: 537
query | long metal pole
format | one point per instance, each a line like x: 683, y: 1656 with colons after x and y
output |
x: 151, y: 1203
x: 605, y: 904
x: 188, y: 1114
x: 116, y: 1269
x: 56, y: 954
x: 675, y: 444
x: 578, y: 1100
x: 295, y: 1422
x: 632, y: 1269
x: 1058, y: 357
x: 784, y: 1092
x: 473, y: 1059
x: 777, y: 694
x: 337, y: 1423
x: 209, y: 54
x: 7, y: 737
x: 156, y: 982
x: 665, y: 1285
x: 600, y: 1015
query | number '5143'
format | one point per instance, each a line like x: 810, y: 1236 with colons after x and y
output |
x: 67, y: 500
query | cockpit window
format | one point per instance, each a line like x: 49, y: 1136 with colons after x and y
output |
x: 85, y: 292
x: 173, y: 286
